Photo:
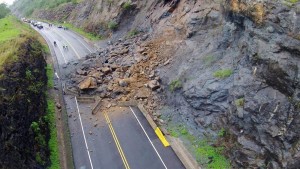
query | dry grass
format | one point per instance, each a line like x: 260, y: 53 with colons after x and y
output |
x: 253, y: 10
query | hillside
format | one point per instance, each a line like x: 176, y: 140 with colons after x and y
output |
x: 221, y: 75
x: 24, y: 121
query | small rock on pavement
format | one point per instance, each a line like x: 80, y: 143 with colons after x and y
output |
x: 108, y: 106
x: 58, y: 106
x: 90, y: 132
x: 95, y: 124
x: 167, y: 62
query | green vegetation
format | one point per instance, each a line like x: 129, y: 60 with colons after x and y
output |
x: 293, y: 1
x: 27, y: 7
x: 177, y: 131
x: 89, y: 36
x: 207, y: 156
x: 112, y: 25
x: 175, y: 85
x: 40, y: 139
x: 46, y: 48
x: 224, y: 73
x: 50, y: 74
x: 209, y: 60
x: 127, y: 5
x: 10, y: 38
x: 53, y: 144
x: 3, y: 10
x: 133, y: 33
x: 240, y: 102
x: 290, y: 3
x: 222, y: 132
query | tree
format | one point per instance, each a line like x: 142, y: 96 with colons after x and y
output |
x: 4, y: 10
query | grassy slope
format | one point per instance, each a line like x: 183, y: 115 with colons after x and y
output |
x: 53, y: 143
x: 11, y: 37
x: 10, y: 31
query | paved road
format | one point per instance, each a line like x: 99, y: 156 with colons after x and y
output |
x: 119, y: 138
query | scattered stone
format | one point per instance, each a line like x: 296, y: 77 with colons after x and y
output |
x: 90, y: 132
x: 95, y: 124
x: 152, y: 74
x: 270, y: 29
x: 167, y: 62
x: 109, y: 105
x: 142, y: 93
x: 140, y: 50
x: 123, y: 83
x: 58, y: 105
x: 81, y: 72
x: 105, y: 70
x: 153, y: 84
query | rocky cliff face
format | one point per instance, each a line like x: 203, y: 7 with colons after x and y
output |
x: 22, y: 102
x: 235, y: 63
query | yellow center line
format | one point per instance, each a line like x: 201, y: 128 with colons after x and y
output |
x: 116, y: 141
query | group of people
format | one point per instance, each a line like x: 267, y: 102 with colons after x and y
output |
x: 65, y: 47
x: 50, y: 24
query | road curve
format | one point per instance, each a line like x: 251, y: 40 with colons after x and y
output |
x: 119, y: 138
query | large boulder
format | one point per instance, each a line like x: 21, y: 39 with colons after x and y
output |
x: 88, y: 83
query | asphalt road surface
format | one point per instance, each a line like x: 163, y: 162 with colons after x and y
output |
x: 116, y: 139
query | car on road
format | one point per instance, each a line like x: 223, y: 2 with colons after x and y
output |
x: 59, y: 26
x: 34, y: 23
x: 40, y: 26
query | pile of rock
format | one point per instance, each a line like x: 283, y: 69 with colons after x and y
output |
x: 122, y: 71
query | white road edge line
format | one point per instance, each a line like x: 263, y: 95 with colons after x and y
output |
x: 148, y: 138
x: 87, y: 148
x: 58, y: 48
